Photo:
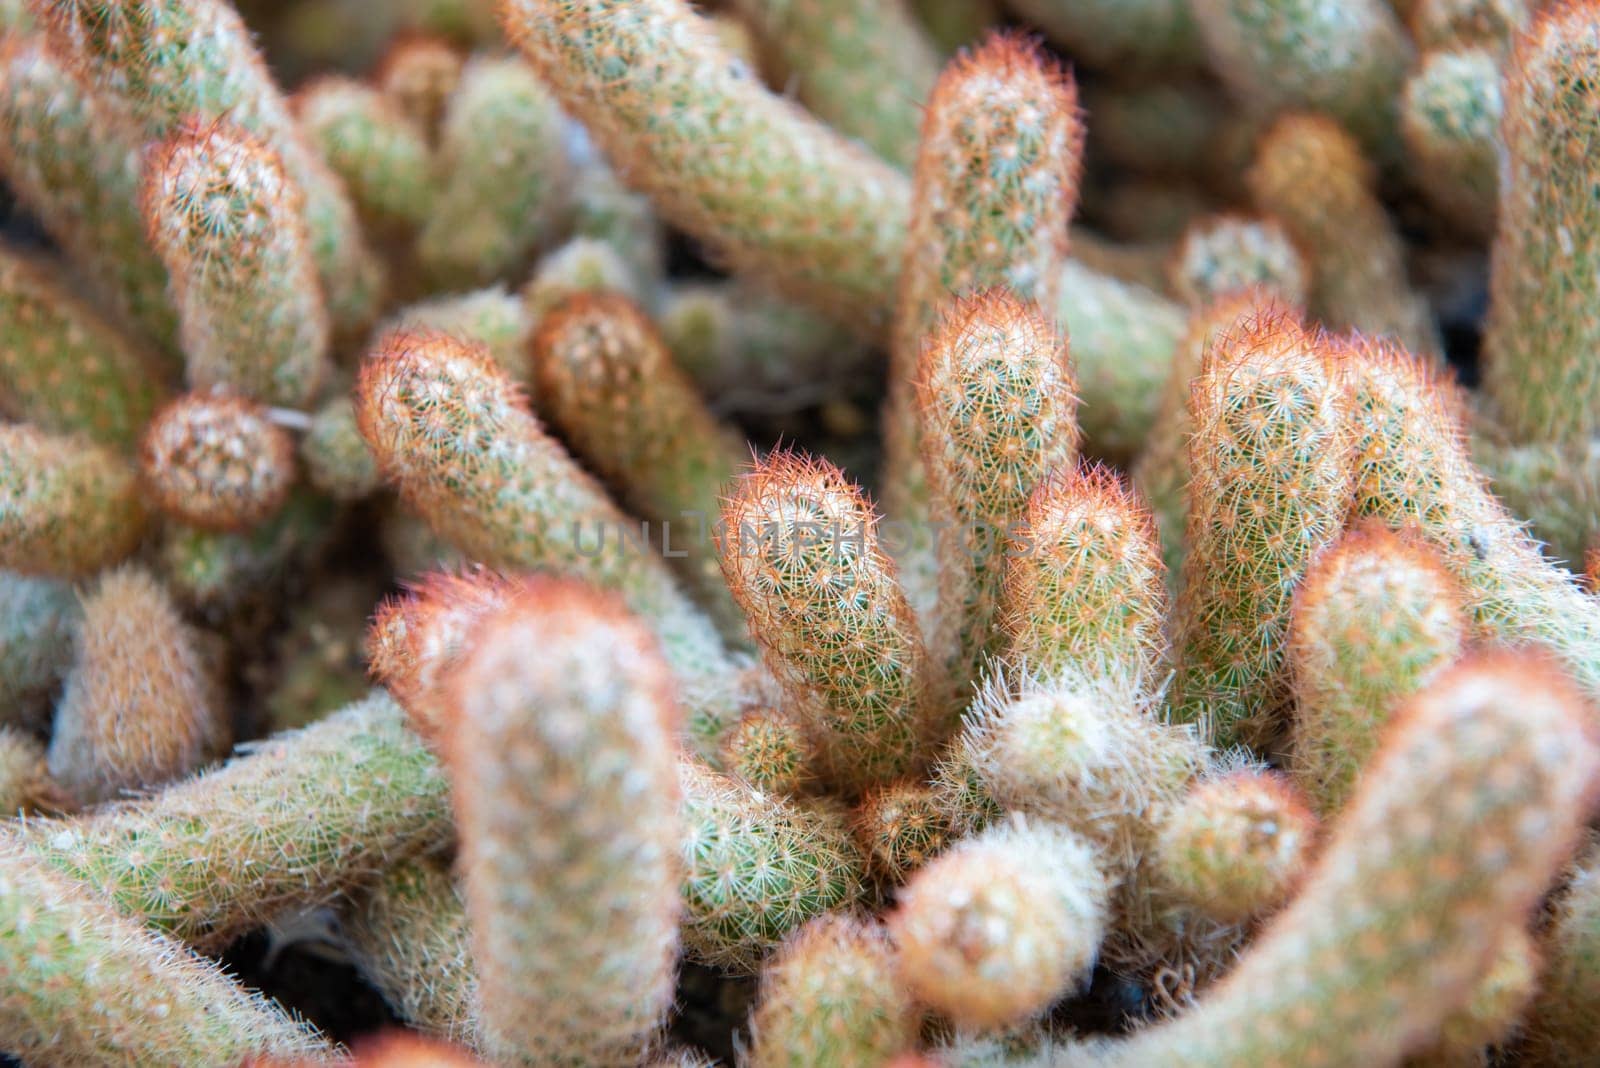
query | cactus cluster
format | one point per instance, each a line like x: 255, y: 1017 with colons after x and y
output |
x: 787, y: 533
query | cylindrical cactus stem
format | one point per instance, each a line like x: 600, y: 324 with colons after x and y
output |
x: 1001, y: 925
x: 581, y: 265
x: 1540, y: 345
x: 227, y: 221
x: 770, y: 749
x: 800, y: 548
x: 375, y: 147
x: 998, y: 408
x: 604, y: 209
x: 335, y: 455
x: 1270, y: 463
x: 1311, y: 176
x: 418, y: 74
x: 863, y: 66
x: 1564, y: 1023
x: 38, y: 619
x: 609, y: 384
x: 492, y: 316
x: 1162, y: 469
x: 1376, y: 618
x: 72, y: 161
x: 25, y: 783
x: 204, y: 860
x: 1450, y: 118
x: 1222, y: 254
x: 84, y: 986
x: 1494, y: 1010
x: 216, y: 460
x: 1387, y: 937
x: 139, y: 708
x: 1150, y: 35
x: 451, y: 430
x: 1552, y: 486
x: 900, y: 827
x: 1460, y: 25
x: 215, y: 573
x: 1235, y: 847
x: 995, y: 185
x: 830, y: 996
x: 1345, y: 60
x: 63, y: 367
x: 500, y: 120
x: 1413, y: 467
x: 1084, y: 585
x: 758, y: 867
x: 68, y: 507
x: 650, y: 78
x: 177, y: 61
x: 565, y: 788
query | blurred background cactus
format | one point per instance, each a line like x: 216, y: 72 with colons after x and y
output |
x: 882, y: 533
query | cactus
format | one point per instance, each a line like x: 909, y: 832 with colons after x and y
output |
x: 1564, y: 1024
x: 1540, y: 374
x: 609, y: 384
x: 216, y: 573
x: 582, y: 265
x: 204, y: 860
x: 85, y: 986
x: 499, y: 120
x: 953, y: 26
x: 138, y: 709
x: 1459, y: 25
x: 1160, y: 127
x: 1312, y: 176
x: 173, y: 62
x: 25, y: 783
x: 74, y: 163
x: 995, y: 185
x: 319, y: 656
x: 335, y: 456
x: 1345, y: 60
x: 1553, y: 487
x: 863, y: 66
x: 1223, y: 254
x: 114, y: 383
x: 565, y: 794
x: 226, y: 220
x: 603, y: 209
x: 418, y: 74
x: 68, y: 506
x: 1492, y: 1013
x: 38, y: 618
x: 757, y: 867
x: 1145, y: 34
x: 1001, y: 925
x: 217, y: 461
x: 1236, y: 845
x: 830, y: 996
x: 1377, y: 618
x: 900, y: 827
x: 998, y: 414
x: 370, y: 143
x: 1271, y: 478
x: 769, y: 749
x: 1450, y: 117
x: 491, y: 316
x: 800, y: 549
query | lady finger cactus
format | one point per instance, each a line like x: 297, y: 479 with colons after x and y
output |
x: 1002, y: 925
x: 63, y: 367
x: 800, y: 549
x: 1540, y: 369
x: 139, y: 707
x: 226, y: 220
x: 1377, y: 617
x: 85, y: 986
x: 382, y: 156
x: 900, y: 827
x: 217, y: 461
x: 68, y: 506
x: 418, y: 74
x: 770, y: 749
x: 500, y: 120
x: 998, y: 409
x: 1114, y: 34
x: 492, y: 316
x: 1564, y: 1023
x: 1223, y: 254
x: 335, y: 456
x: 1461, y: 25
x: 179, y: 61
x: 1493, y: 1012
x: 1450, y: 118
x: 25, y: 783
x: 38, y: 618
x: 204, y: 860
x: 1271, y: 479
x: 830, y: 996
x: 609, y: 384
x: 565, y: 793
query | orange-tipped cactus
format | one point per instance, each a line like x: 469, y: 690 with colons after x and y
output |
x: 565, y: 790
x: 227, y: 221
x: 800, y: 549
x: 1541, y: 371
x: 418, y: 74
x: 996, y: 182
x: 140, y: 704
x: 901, y: 826
x: 1493, y: 1013
x: 998, y: 409
x: 1377, y: 618
x: 1002, y: 925
x: 68, y: 506
x: 217, y: 461
x: 770, y: 749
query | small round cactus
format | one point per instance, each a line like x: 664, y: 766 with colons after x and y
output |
x: 217, y: 461
x: 770, y: 749
x: 901, y: 826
